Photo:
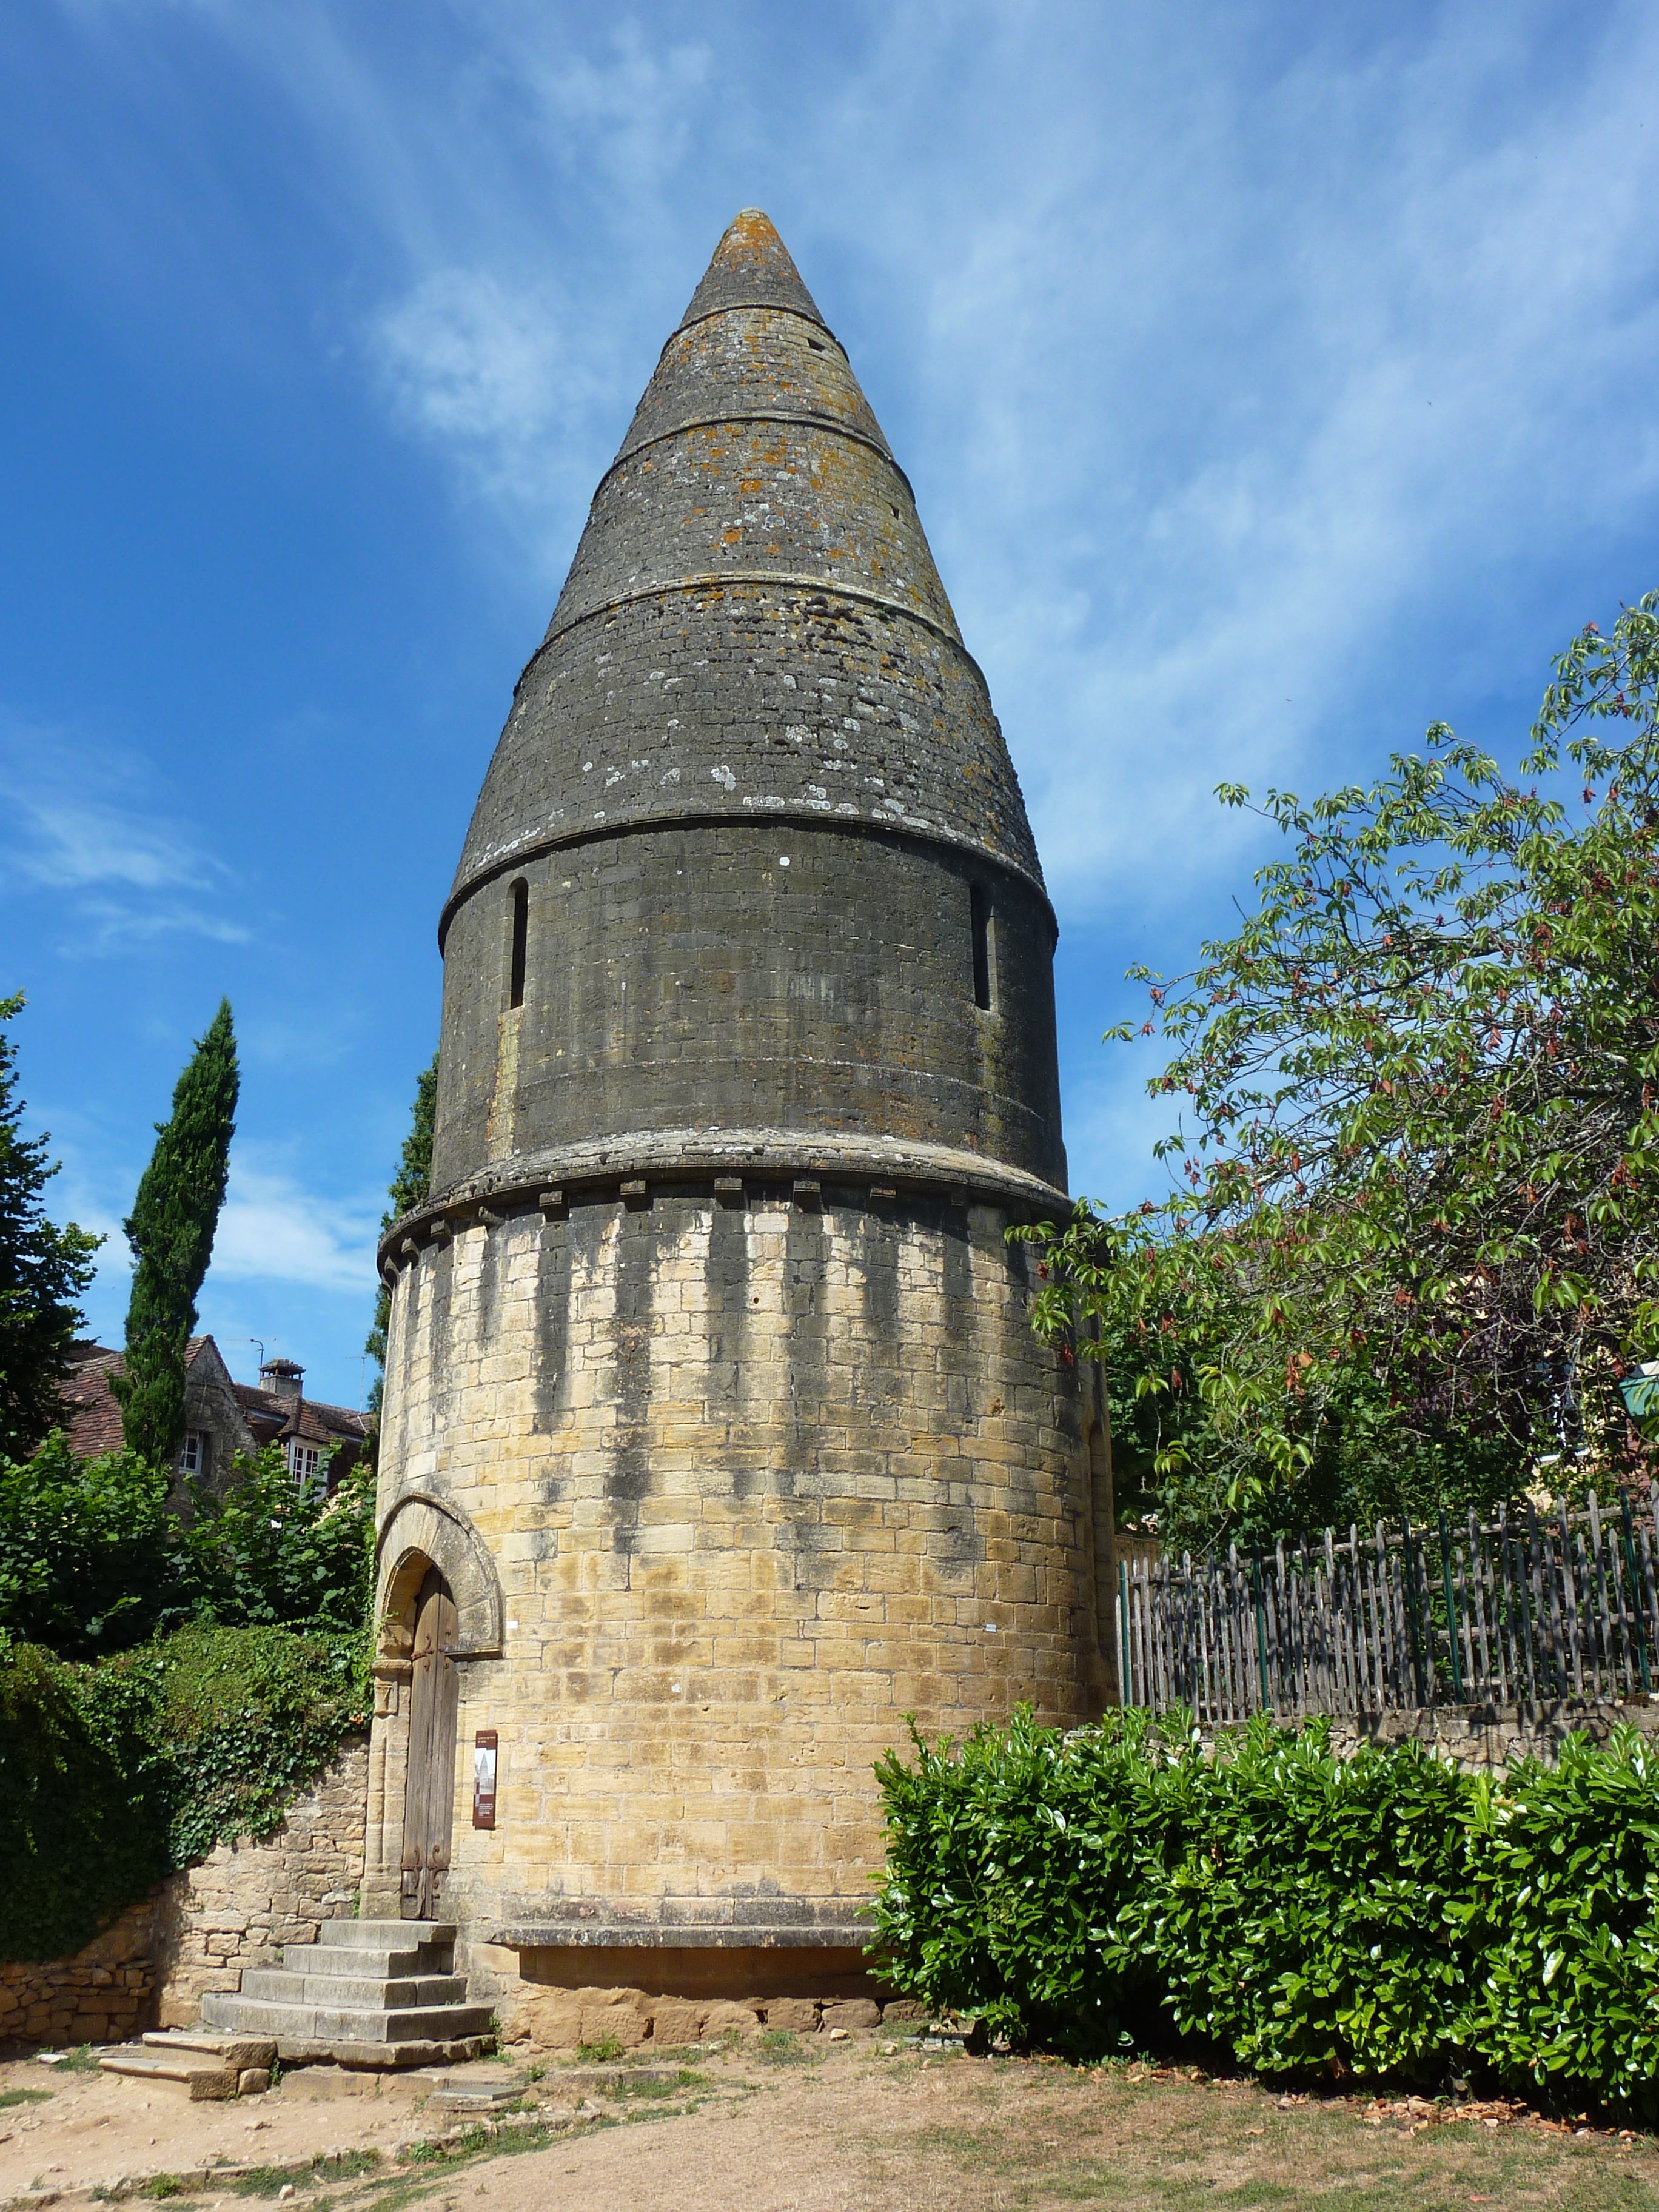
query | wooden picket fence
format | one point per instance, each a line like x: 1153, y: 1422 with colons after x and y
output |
x: 1519, y: 1610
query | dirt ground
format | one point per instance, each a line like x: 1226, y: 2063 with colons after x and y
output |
x: 788, y: 2125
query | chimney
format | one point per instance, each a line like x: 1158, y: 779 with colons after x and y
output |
x: 281, y: 1377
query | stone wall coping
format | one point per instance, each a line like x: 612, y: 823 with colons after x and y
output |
x: 599, y: 1168
x: 698, y: 1935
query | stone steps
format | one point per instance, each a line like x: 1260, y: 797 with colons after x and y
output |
x: 369, y: 1935
x: 293, y: 1984
x: 367, y: 1993
x: 213, y: 2068
x: 384, y: 1964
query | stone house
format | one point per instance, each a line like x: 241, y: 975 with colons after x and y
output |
x: 223, y: 1417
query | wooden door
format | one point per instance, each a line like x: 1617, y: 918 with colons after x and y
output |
x: 430, y: 1793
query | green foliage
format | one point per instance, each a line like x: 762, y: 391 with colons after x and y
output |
x: 88, y: 1552
x: 243, y: 1717
x: 1314, y: 1913
x: 600, y: 2052
x: 94, y: 1560
x: 1570, y: 1879
x: 1385, y: 1915
x: 270, y: 1550
x: 1011, y: 1862
x: 44, y: 1271
x: 1414, y: 1242
x: 171, y: 1231
x: 82, y: 1826
x: 407, y: 1189
x: 109, y: 1776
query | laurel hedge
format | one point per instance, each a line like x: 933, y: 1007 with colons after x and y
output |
x: 1384, y: 1915
x: 112, y: 1775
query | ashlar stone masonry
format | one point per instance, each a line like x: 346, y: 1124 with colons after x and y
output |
x: 716, y: 1441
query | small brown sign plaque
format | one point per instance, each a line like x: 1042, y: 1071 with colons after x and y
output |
x: 484, y: 1778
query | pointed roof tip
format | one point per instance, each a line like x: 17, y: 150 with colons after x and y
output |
x: 751, y: 268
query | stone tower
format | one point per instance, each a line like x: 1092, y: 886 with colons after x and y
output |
x: 712, y: 1414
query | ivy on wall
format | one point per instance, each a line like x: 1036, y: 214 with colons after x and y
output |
x: 111, y: 1776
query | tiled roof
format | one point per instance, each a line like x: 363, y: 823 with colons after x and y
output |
x: 270, y: 1415
x: 95, y: 1419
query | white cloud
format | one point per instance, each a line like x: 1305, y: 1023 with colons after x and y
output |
x: 275, y: 1229
x: 467, y: 359
x: 87, y: 823
x: 1223, y: 362
x: 480, y: 367
x: 1265, y: 372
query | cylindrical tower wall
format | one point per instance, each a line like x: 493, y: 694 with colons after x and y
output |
x: 729, y: 974
x: 758, y: 1481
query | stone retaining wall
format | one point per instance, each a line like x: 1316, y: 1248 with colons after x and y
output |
x: 565, y: 2018
x: 102, y: 1994
x: 202, y: 1927
x: 237, y: 1907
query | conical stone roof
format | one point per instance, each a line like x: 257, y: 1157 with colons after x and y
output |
x: 753, y: 626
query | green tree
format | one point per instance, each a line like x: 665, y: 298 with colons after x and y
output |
x: 88, y: 1559
x: 270, y: 1552
x: 406, y: 1190
x: 171, y: 1232
x: 44, y: 1271
x: 94, y: 1560
x: 1415, y: 1237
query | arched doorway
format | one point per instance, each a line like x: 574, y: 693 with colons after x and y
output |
x: 429, y: 1792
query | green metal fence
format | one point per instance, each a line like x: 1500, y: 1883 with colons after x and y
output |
x: 1527, y: 1608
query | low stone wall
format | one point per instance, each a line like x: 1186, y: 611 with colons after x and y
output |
x: 546, y: 2019
x: 202, y: 1929
x: 238, y: 1906
x: 102, y: 1994
x: 1484, y: 1738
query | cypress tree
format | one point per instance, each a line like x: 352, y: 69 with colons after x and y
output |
x: 407, y: 1188
x: 171, y: 1232
x: 43, y: 1273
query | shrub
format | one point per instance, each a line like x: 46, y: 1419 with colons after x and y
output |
x: 272, y: 1551
x: 88, y: 1551
x: 1569, y: 1879
x: 1011, y: 1864
x: 1311, y: 1912
x: 1383, y: 1915
x: 98, y: 1555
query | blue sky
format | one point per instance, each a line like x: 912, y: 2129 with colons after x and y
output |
x: 1272, y: 380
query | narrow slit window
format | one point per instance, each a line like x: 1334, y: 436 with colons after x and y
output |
x: 984, y: 975
x: 520, y: 944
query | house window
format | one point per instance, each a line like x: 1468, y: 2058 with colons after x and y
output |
x: 303, y: 1460
x: 198, y: 1452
